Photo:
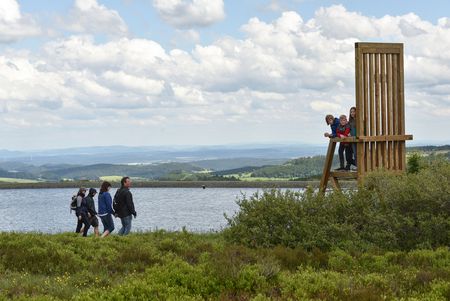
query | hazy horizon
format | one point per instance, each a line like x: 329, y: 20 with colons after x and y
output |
x: 411, y: 143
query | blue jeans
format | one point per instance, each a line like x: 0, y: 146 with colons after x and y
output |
x: 126, y: 225
x: 108, y: 223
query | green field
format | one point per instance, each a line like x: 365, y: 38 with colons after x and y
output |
x: 248, y: 177
x: 111, y: 178
x: 116, y: 179
x: 14, y: 180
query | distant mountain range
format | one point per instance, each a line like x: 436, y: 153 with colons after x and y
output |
x: 126, y: 155
x: 158, y: 163
x: 142, y: 162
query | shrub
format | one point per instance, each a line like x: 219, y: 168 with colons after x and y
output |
x: 387, y: 213
x: 414, y: 163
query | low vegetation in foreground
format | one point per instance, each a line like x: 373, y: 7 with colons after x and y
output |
x: 387, y: 241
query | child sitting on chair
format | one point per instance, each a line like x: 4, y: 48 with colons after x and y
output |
x: 342, y: 131
x: 333, y: 123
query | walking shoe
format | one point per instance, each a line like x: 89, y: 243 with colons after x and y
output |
x: 354, y: 168
x: 347, y: 167
x: 340, y: 168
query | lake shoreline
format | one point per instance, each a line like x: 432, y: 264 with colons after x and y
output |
x: 168, y: 184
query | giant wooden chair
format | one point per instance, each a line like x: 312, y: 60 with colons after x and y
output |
x: 380, y: 114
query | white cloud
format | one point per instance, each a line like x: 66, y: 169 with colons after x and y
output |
x: 188, y: 95
x: 122, y: 81
x: 88, y: 16
x: 78, y: 52
x: 9, y: 11
x: 14, y: 25
x: 325, y: 107
x: 190, y: 13
x: 288, y: 71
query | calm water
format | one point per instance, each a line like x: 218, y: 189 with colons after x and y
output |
x: 47, y: 210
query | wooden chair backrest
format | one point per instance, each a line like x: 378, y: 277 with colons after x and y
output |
x: 380, y: 107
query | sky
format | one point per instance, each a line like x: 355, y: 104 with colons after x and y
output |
x: 77, y: 73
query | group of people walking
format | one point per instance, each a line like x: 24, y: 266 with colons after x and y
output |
x: 341, y: 128
x: 121, y: 206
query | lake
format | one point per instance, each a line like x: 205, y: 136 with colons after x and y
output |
x: 47, y: 210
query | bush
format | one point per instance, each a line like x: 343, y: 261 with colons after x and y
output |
x: 387, y: 213
x: 160, y: 266
x: 414, y: 163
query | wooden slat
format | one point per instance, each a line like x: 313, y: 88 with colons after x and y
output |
x: 389, y: 112
x: 395, y: 108
x: 327, y: 166
x: 359, y: 93
x: 384, y: 138
x: 344, y: 174
x: 372, y: 110
x: 363, y: 45
x: 381, y: 51
x: 401, y: 111
x: 377, y: 108
x: 365, y: 165
x: 346, y: 139
x: 361, y: 157
x: 383, y: 110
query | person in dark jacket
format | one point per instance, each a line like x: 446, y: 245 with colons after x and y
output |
x: 82, y: 213
x: 105, y: 210
x: 124, y: 206
x: 92, y: 213
x: 333, y: 123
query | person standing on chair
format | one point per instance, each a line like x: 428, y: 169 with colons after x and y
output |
x: 343, y: 131
x: 124, y: 206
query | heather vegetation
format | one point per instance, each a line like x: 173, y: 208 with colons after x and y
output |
x: 388, y: 240
x: 387, y: 213
x: 185, y: 266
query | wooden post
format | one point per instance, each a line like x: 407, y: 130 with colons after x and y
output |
x: 327, y: 166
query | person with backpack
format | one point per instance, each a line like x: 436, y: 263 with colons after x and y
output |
x: 123, y: 205
x: 81, y: 212
x: 92, y: 213
x: 105, y: 210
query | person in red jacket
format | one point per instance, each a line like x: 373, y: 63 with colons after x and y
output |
x: 342, y: 131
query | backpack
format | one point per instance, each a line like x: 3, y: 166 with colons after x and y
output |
x: 115, y: 203
x: 73, y: 203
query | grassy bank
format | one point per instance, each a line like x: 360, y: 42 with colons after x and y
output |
x: 185, y: 266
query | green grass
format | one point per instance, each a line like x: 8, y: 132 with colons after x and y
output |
x: 186, y: 266
x: 14, y: 180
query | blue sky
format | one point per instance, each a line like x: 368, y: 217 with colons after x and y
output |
x: 202, y: 72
